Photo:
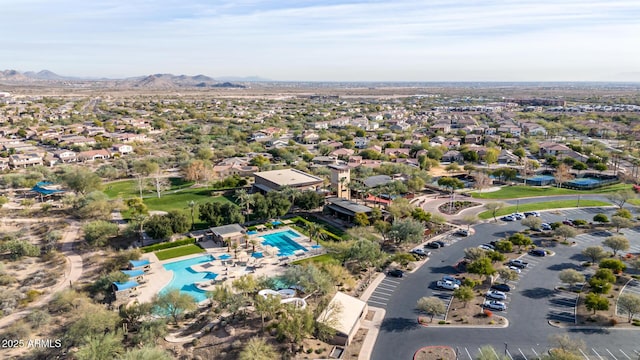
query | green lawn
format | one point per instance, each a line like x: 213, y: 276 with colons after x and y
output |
x: 544, y: 206
x: 521, y: 191
x: 179, y: 200
x: 129, y: 188
x: 178, y: 251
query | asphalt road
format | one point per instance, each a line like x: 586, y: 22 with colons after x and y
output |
x: 531, y: 304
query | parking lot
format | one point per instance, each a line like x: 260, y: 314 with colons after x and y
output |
x: 524, y: 352
x: 383, y: 291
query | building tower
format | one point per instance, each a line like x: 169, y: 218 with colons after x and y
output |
x: 340, y: 178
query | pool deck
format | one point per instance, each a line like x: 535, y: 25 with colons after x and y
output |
x: 228, y: 270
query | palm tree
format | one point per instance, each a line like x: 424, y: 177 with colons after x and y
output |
x: 316, y: 231
x: 291, y: 193
x: 244, y: 199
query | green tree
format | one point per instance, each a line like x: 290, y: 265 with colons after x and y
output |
x: 494, y: 207
x: 620, y: 222
x: 258, y: 349
x: 504, y: 246
x: 309, y: 200
x: 482, y: 267
x: 295, y: 325
x: 629, y: 303
x: 89, y: 320
x: 625, y: 213
x: 420, y: 215
x: 600, y: 218
x: 267, y: 307
x: 383, y: 228
x: 316, y: 232
x: 361, y: 219
x: 565, y: 232
x: 565, y: 346
x: 179, y: 221
x: 491, y: 156
x: 100, y: 347
x: 174, y: 303
x: 158, y: 227
x: 595, y: 253
x: 507, y: 275
x: 406, y: 230
x: 98, y: 232
x: 464, y: 294
x: 532, y: 222
x: 450, y: 183
x: 571, y: 277
x: 616, y: 243
x: 38, y: 318
x: 245, y: 284
x: 19, y: 248
x: 81, y: 180
x: 365, y: 254
x: 520, y: 240
x: 431, y: 305
x: 474, y: 253
x: 217, y: 214
x: 614, y: 265
x: 596, y: 302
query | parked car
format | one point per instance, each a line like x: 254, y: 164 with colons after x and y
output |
x: 441, y: 243
x: 485, y: 247
x: 531, y: 213
x: 518, y: 216
x: 516, y: 269
x: 518, y: 263
x: 495, y: 294
x: 462, y: 232
x: 451, y: 279
x: 545, y: 226
x: 568, y: 222
x: 447, y: 285
x: 495, y: 305
x: 432, y: 245
x: 508, y: 218
x: 501, y: 287
x: 538, y: 252
x: 396, y: 273
x: 421, y: 252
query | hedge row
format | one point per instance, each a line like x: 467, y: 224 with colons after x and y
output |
x: 168, y: 245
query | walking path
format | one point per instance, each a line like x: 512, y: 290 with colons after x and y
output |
x: 72, y: 272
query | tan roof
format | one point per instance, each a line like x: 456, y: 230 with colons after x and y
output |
x: 349, y: 310
x: 288, y: 177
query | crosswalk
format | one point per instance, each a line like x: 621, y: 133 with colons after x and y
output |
x: 523, y: 352
x: 383, y: 292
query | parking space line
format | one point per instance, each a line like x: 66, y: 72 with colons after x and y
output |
x: 507, y: 351
x: 624, y: 354
x: 383, y: 290
x: 534, y: 351
x: 494, y: 351
x: 521, y: 353
x: 583, y: 354
x: 391, y: 281
x: 378, y: 302
x: 379, y: 297
x: 611, y: 354
x: 469, y: 355
x: 595, y: 352
x: 389, y: 285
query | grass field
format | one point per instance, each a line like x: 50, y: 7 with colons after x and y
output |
x: 127, y: 189
x: 521, y: 191
x: 320, y: 259
x: 178, y: 251
x: 546, y: 205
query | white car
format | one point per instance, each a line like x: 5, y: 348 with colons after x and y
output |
x: 485, y: 247
x: 421, y: 252
x: 495, y: 294
x: 518, y: 216
x: 495, y: 305
x: 447, y: 285
x: 508, y: 218
x: 516, y: 269
x: 532, y: 213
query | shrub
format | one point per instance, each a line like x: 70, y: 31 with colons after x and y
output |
x: 471, y: 283
x: 555, y: 225
x: 442, y: 322
x: 580, y: 222
x: 319, y: 351
x: 601, y: 218
x: 613, y: 322
x: 168, y: 245
x: 309, y: 351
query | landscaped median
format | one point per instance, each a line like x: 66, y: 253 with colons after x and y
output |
x: 435, y: 353
x: 545, y: 205
x: 522, y: 191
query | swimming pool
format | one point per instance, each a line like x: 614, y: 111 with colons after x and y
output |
x: 584, y: 181
x: 184, y: 278
x: 283, y: 240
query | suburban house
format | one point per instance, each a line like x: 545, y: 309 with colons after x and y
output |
x: 360, y: 142
x: 346, y: 209
x: 552, y: 148
x: 507, y: 158
x: 122, y: 149
x: 452, y: 156
x: 25, y: 160
x: 65, y: 156
x: 93, y: 155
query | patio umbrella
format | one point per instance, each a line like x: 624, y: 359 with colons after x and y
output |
x: 224, y: 257
x: 257, y: 255
x: 316, y: 246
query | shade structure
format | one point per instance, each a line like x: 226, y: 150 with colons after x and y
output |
x: 224, y: 257
x: 316, y: 246
x: 211, y: 276
x: 138, y: 263
x: 124, y: 286
x: 257, y: 255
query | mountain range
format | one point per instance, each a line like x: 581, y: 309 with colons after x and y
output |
x: 154, y: 81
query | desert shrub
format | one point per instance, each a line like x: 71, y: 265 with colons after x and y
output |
x: 580, y: 222
x: 487, y: 313
x: 601, y: 218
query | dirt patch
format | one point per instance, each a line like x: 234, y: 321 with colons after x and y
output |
x: 435, y: 353
x: 369, y: 315
x: 353, y: 350
x: 456, y: 207
x: 604, y: 318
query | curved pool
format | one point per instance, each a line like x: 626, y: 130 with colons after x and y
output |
x: 185, y: 279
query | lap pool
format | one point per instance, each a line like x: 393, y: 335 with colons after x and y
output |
x: 283, y: 240
x: 184, y: 278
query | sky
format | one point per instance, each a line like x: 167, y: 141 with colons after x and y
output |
x: 327, y: 40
